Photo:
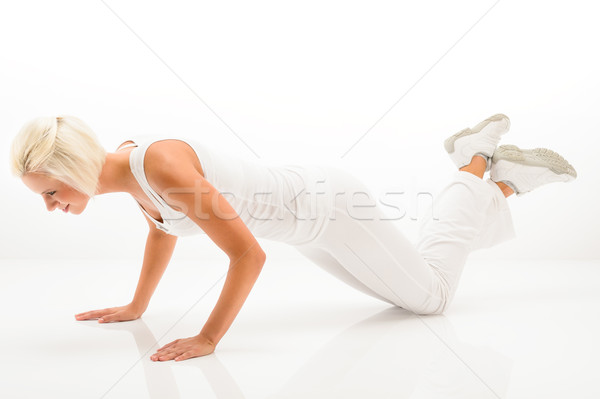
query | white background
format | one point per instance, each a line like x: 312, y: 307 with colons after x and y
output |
x: 303, y: 82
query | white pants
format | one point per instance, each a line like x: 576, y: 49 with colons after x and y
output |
x: 373, y: 256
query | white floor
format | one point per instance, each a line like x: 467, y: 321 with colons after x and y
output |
x: 515, y: 330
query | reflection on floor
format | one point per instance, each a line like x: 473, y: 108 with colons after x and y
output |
x: 515, y: 330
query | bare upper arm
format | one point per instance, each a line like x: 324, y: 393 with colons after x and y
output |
x: 172, y: 174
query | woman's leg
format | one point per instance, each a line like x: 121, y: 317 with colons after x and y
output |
x: 323, y: 258
x: 470, y: 213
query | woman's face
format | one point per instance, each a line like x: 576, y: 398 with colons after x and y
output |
x: 55, y: 193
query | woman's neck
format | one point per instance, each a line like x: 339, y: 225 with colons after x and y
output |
x: 115, y: 176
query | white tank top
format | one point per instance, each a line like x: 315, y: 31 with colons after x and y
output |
x: 284, y: 203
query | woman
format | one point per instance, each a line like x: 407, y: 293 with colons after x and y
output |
x: 181, y: 188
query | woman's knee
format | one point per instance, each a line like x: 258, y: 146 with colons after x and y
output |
x: 432, y: 306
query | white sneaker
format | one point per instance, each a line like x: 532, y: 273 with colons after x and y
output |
x: 479, y: 140
x: 525, y: 170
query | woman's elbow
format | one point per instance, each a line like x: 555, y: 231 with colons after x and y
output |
x: 261, y: 256
x: 254, y: 255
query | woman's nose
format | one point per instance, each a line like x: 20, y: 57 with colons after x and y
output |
x: 51, y: 204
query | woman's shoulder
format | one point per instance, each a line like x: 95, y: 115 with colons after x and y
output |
x: 169, y: 150
x: 126, y: 144
x: 171, y: 156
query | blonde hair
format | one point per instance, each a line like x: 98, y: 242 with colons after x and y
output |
x: 62, y: 147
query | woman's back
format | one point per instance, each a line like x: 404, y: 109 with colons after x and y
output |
x: 275, y: 202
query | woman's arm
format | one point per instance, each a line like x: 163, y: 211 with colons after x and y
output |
x: 241, y: 276
x: 185, y: 189
x: 157, y: 254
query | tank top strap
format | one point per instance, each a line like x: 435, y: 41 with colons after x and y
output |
x: 136, y: 163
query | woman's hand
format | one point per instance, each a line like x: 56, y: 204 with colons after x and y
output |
x: 121, y: 313
x: 182, y: 349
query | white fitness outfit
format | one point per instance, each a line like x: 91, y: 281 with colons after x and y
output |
x: 314, y: 209
x: 266, y: 198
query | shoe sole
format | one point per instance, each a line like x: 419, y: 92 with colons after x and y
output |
x: 541, y: 157
x: 449, y: 142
